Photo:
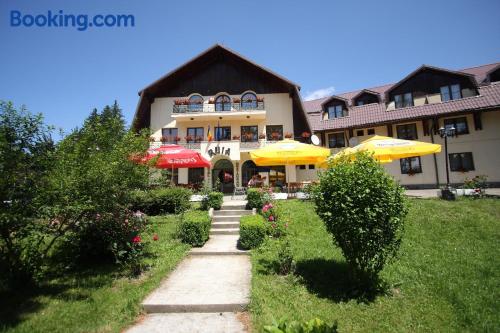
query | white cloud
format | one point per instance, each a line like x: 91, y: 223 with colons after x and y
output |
x: 320, y: 93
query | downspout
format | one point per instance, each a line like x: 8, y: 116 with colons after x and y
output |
x: 434, y: 155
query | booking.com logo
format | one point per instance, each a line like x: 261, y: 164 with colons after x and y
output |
x: 60, y: 20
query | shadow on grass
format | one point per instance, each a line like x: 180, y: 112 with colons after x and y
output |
x: 333, y: 280
x: 17, y: 303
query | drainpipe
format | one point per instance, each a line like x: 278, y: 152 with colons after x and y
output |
x: 434, y: 155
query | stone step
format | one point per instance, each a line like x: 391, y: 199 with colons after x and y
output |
x: 227, y: 206
x: 225, y: 231
x: 226, y: 218
x: 239, y: 212
x: 224, y: 225
x: 204, y: 284
x: 219, y: 245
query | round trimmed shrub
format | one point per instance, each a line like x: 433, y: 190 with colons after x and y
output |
x: 253, y: 231
x: 363, y: 208
x: 212, y: 200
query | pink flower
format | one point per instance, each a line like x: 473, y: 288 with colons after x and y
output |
x: 265, y: 208
x: 286, y: 225
x: 137, y: 239
x: 271, y: 218
x: 155, y: 237
x: 273, y: 225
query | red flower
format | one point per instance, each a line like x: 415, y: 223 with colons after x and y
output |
x: 155, y: 237
x: 271, y: 218
x: 137, y: 239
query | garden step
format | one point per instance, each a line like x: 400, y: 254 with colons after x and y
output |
x: 232, y: 212
x: 223, y: 225
x: 225, y: 231
x: 204, y: 284
x: 219, y: 245
x: 227, y: 218
x: 227, y: 206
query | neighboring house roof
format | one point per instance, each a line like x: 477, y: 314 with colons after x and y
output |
x: 373, y: 114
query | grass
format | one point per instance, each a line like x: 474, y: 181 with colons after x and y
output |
x: 97, y: 300
x: 447, y: 278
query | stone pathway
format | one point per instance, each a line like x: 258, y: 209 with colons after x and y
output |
x: 208, y: 288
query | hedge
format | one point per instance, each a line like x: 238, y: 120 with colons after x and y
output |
x: 252, y: 231
x: 254, y: 198
x: 195, y: 227
x: 212, y: 200
x: 170, y: 200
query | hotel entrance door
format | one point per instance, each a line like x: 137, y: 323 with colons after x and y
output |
x: 223, y: 176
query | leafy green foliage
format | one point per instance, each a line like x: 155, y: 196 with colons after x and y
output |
x: 254, y: 198
x: 195, y: 227
x: 26, y: 148
x: 253, y: 231
x: 312, y: 326
x: 169, y: 200
x: 364, y: 210
x: 285, y: 262
x: 212, y: 200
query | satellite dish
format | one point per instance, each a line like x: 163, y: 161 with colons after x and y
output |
x: 353, y: 141
x: 315, y: 140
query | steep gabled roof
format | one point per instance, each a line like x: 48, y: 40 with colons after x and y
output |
x: 366, y: 91
x: 433, y: 68
x: 335, y: 97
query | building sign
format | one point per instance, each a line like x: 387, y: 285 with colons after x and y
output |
x: 219, y: 150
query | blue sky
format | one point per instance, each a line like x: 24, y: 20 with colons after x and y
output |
x: 332, y: 46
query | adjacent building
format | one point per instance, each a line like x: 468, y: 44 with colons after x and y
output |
x: 224, y: 105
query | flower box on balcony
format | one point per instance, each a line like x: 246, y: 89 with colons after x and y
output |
x: 288, y: 135
x: 236, y: 137
x: 262, y: 136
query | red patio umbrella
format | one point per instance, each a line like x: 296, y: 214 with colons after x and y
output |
x: 175, y: 156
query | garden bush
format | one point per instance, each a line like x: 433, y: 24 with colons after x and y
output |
x: 312, y: 326
x: 212, y: 200
x: 254, y: 198
x: 253, y: 231
x: 195, y: 227
x: 168, y: 200
x: 364, y: 209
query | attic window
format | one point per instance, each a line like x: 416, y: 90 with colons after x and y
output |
x: 336, y: 111
x: 403, y: 100
x: 450, y: 92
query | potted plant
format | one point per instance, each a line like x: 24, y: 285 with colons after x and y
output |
x: 236, y: 137
x: 275, y: 136
x: 152, y: 139
x: 164, y: 139
x: 211, y: 100
x: 236, y: 100
x: 288, y: 135
x: 188, y: 138
x: 260, y: 99
x: 178, y: 102
x: 248, y: 136
x: 262, y: 136
x: 198, y: 138
x: 306, y: 135
x: 177, y: 139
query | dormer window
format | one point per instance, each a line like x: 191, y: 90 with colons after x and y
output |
x: 365, y: 97
x: 450, y: 92
x: 223, y: 103
x: 403, y: 100
x: 360, y: 103
x: 249, y: 101
x: 195, y: 103
x: 335, y: 111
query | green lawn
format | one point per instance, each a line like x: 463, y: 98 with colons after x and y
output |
x: 447, y: 278
x: 98, y: 300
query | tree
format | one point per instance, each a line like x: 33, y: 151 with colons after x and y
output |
x: 363, y: 208
x: 26, y: 149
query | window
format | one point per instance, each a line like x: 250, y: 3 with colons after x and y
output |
x: 196, y: 176
x: 312, y: 167
x: 249, y: 101
x: 274, y: 132
x: 461, y: 162
x: 460, y: 125
x: 407, y: 132
x: 371, y: 131
x: 169, y: 135
x: 360, y: 132
x: 403, y: 100
x: 195, y: 103
x: 411, y: 165
x: 249, y: 133
x: 336, y: 140
x: 335, y: 111
x: 277, y: 176
x: 450, y: 92
x: 359, y: 103
x: 196, y: 134
x: 302, y: 167
x: 223, y: 133
x: 223, y: 103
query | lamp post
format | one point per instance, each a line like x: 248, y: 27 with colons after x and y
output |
x: 447, y: 193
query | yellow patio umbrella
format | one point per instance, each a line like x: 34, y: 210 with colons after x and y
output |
x: 289, y: 152
x: 386, y: 149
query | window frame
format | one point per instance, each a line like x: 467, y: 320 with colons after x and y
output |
x: 224, y: 104
x: 253, y: 104
x: 337, y: 134
x: 414, y: 125
x: 450, y: 92
x: 401, y: 100
x: 454, y: 122
x: 195, y: 107
x: 171, y: 136
x: 269, y: 133
x: 255, y: 138
x: 410, y: 170
x: 196, y: 132
x: 337, y: 109
x: 372, y: 130
x: 217, y: 135
x: 454, y: 168
x: 362, y: 131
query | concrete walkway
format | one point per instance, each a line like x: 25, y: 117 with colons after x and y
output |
x: 209, y: 289
x: 433, y: 193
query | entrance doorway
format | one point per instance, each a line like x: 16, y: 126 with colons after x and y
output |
x: 223, y: 176
x: 248, y: 170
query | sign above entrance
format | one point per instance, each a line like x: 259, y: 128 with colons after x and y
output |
x: 230, y: 149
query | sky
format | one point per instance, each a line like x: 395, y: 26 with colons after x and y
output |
x: 327, y: 47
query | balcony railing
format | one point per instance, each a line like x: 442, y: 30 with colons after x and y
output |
x: 230, y: 107
x: 249, y: 145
